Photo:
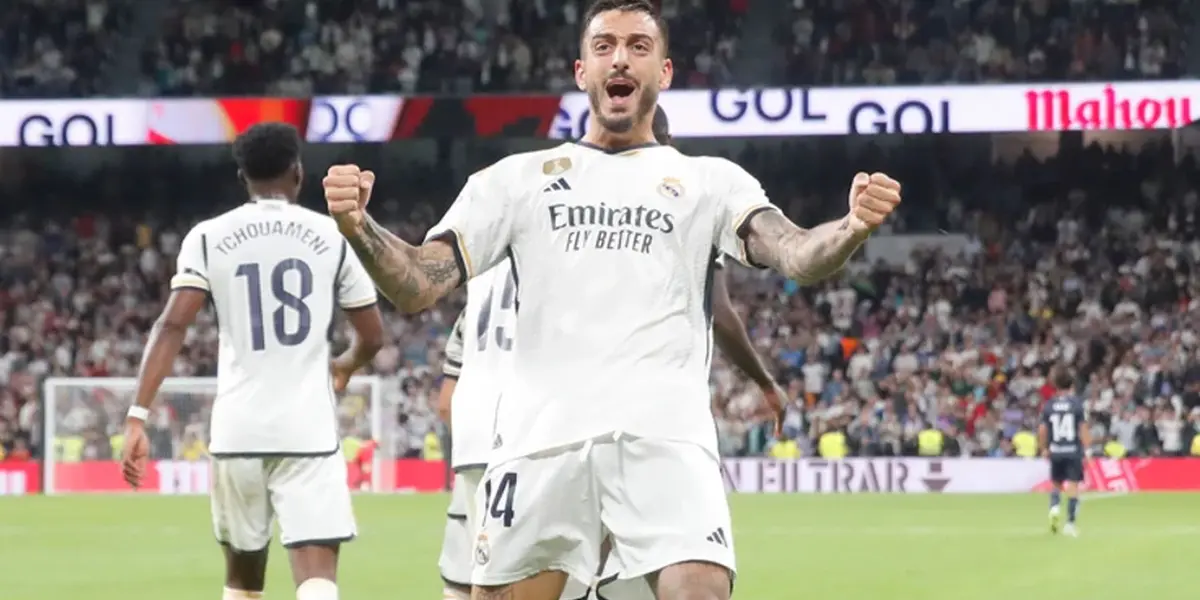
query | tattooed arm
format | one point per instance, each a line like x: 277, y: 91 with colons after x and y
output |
x: 412, y: 277
x: 805, y: 255
x: 810, y: 255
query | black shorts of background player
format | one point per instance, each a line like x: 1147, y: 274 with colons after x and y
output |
x: 1065, y: 439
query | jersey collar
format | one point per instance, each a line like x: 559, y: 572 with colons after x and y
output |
x: 271, y: 199
x: 616, y: 150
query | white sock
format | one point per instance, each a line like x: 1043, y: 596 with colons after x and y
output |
x: 232, y: 594
x: 317, y: 589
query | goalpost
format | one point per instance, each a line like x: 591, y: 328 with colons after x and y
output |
x: 84, y: 416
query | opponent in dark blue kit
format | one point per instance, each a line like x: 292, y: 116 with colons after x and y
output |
x: 1065, y: 440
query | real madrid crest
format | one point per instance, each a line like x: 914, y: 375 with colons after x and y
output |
x: 483, y: 552
x: 670, y: 188
x: 556, y: 166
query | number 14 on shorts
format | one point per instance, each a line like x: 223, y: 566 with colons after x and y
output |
x: 500, y: 504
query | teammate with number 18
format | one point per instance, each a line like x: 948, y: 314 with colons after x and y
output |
x: 275, y: 273
x: 1066, y: 440
x: 605, y: 424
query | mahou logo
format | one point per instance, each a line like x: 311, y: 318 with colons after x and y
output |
x: 1059, y: 109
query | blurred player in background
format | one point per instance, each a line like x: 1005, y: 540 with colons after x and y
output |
x: 612, y: 238
x: 477, y: 363
x: 361, y: 464
x: 275, y: 273
x: 1066, y: 440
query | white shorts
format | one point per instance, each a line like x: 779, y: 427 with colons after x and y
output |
x: 309, y: 496
x: 662, y: 502
x: 456, y: 560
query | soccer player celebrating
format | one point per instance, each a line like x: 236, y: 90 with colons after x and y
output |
x: 274, y: 273
x: 1065, y: 439
x: 605, y: 424
x: 474, y: 370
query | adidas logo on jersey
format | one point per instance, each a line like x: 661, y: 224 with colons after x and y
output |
x: 559, y: 185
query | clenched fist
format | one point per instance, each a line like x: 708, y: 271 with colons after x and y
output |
x: 347, y: 192
x: 872, y: 198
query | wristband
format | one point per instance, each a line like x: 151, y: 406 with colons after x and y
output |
x: 138, y: 412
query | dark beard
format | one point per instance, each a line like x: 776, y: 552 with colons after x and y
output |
x: 622, y: 125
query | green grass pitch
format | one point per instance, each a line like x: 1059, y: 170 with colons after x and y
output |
x: 790, y: 547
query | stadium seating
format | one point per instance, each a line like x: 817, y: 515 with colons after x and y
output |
x: 960, y: 341
x: 879, y: 43
x: 58, y: 47
x: 329, y: 47
x: 294, y: 47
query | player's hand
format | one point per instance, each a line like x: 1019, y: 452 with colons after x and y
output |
x: 872, y: 198
x: 134, y: 453
x: 775, y: 400
x: 347, y: 192
x: 342, y: 371
x: 1046, y: 453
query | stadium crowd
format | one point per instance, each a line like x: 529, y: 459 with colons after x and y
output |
x: 879, y: 43
x: 443, y: 46
x: 52, y: 48
x: 304, y: 47
x: 1087, y: 261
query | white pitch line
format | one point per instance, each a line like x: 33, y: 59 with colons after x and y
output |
x: 1093, y: 496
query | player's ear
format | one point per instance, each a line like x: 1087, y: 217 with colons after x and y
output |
x: 298, y: 172
x: 579, y: 80
x: 241, y: 177
x: 668, y: 73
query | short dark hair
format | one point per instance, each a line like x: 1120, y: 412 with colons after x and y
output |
x: 642, y: 6
x: 661, y: 126
x: 267, y: 150
x: 1064, y: 379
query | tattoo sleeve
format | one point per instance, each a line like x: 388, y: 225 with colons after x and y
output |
x: 805, y: 255
x: 411, y: 277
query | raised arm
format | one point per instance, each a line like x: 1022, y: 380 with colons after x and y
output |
x: 474, y: 233
x: 811, y: 255
x: 412, y: 277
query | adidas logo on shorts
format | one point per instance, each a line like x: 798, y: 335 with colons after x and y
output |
x: 718, y: 537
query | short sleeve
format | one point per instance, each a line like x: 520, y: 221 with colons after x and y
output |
x: 191, y: 265
x: 452, y: 367
x: 354, y: 286
x: 738, y: 197
x: 479, y: 223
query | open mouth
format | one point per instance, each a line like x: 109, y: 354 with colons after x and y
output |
x: 619, y: 90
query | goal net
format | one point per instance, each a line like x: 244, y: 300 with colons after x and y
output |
x: 85, y: 417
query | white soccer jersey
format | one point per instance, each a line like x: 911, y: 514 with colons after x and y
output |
x: 482, y: 342
x: 612, y: 254
x: 276, y: 272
